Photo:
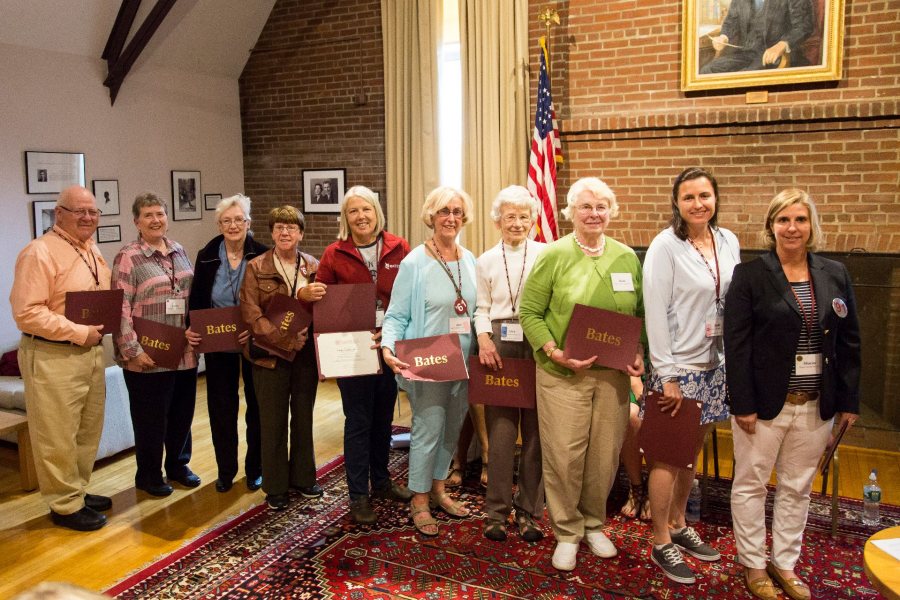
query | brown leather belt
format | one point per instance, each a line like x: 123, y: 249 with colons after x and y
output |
x: 800, y: 398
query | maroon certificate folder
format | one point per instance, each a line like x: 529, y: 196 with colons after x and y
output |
x: 612, y: 336
x: 98, y: 307
x: 219, y: 328
x: 163, y: 343
x: 513, y: 385
x: 346, y: 307
x: 668, y: 439
x: 435, y: 358
x: 288, y: 315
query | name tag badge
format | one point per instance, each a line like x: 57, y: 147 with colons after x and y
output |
x: 175, y: 306
x: 808, y: 364
x: 622, y: 282
x: 460, y: 325
x: 379, y: 318
x: 715, y: 326
x: 511, y: 332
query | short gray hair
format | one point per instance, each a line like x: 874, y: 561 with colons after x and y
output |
x: 236, y: 200
x: 514, y: 195
x: 144, y: 200
x: 597, y: 188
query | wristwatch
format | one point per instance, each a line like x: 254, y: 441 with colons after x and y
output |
x: 550, y: 352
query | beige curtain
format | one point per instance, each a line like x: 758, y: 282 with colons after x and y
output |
x: 496, y: 132
x: 411, y: 42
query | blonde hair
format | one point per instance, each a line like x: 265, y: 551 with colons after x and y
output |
x: 439, y: 198
x: 597, y: 188
x: 368, y: 196
x: 787, y: 198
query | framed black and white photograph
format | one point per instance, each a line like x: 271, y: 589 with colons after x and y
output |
x: 109, y: 233
x: 323, y: 190
x: 210, y: 201
x: 52, y: 172
x: 44, y: 216
x: 186, y: 196
x: 106, y: 191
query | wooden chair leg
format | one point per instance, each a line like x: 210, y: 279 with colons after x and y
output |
x: 715, y: 446
x: 834, y: 495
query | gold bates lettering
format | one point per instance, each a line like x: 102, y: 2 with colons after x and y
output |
x: 501, y: 381
x: 158, y: 344
x: 603, y: 336
x: 86, y: 312
x: 425, y: 361
x: 224, y: 328
x: 286, y: 321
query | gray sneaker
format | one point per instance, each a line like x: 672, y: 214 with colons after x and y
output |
x: 669, y: 559
x: 689, y: 541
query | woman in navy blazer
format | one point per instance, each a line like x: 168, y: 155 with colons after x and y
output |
x: 793, y: 358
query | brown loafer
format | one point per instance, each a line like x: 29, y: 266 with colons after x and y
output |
x: 794, y: 587
x: 762, y: 587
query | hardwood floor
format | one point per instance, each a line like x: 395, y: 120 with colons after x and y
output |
x: 142, y: 529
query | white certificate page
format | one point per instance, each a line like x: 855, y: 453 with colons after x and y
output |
x: 346, y: 354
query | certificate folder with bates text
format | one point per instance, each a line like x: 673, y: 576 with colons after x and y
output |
x: 346, y: 307
x: 435, y: 358
x: 290, y: 317
x: 612, y: 336
x: 668, y: 439
x: 219, y: 328
x: 97, y: 307
x: 513, y: 385
x: 163, y: 343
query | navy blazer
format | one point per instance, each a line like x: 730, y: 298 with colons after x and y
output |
x: 762, y: 329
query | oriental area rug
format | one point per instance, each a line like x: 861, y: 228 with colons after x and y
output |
x: 313, y: 550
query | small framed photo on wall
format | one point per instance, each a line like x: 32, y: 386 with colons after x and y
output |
x: 52, y: 172
x: 109, y: 233
x: 210, y: 201
x: 106, y: 191
x: 323, y: 190
x: 44, y: 216
x: 186, y: 196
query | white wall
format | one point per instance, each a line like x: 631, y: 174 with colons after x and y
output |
x: 163, y: 120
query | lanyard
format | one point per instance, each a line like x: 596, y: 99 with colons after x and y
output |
x: 803, y: 313
x: 95, y: 272
x: 284, y: 272
x: 460, y: 305
x: 161, y: 266
x: 514, y: 297
x: 716, y: 276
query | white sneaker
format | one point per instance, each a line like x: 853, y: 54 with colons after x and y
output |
x: 564, y: 556
x: 600, y: 544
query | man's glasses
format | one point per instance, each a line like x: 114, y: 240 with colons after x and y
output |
x: 82, y: 212
x: 229, y: 222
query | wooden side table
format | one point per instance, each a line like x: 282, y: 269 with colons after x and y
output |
x: 883, y: 569
x: 14, y: 422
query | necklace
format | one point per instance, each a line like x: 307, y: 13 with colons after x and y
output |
x: 598, y: 250
x: 514, y: 297
x: 460, y: 305
x: 715, y: 275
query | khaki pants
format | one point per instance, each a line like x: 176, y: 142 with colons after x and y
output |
x: 583, y: 420
x: 65, y: 392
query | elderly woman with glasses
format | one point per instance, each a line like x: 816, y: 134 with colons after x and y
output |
x: 434, y: 294
x: 582, y: 408
x: 218, y: 273
x: 285, y: 389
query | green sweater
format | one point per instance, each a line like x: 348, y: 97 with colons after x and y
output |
x: 562, y: 277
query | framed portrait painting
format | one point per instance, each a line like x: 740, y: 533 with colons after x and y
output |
x: 52, y: 172
x: 44, y: 216
x: 752, y: 43
x: 323, y: 190
x: 106, y: 191
x: 186, y: 196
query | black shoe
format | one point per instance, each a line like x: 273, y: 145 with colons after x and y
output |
x: 86, y: 519
x: 98, y: 503
x: 159, y: 489
x: 277, y: 501
x: 394, y: 491
x: 495, y: 530
x: 188, y: 479
x: 254, y: 483
x: 223, y: 486
x: 361, y: 511
x: 313, y: 491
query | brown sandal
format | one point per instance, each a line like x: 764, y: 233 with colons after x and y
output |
x: 449, y: 505
x: 423, y: 521
x: 632, y: 506
x: 455, y: 478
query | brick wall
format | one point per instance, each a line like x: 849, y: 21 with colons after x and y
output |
x: 298, y: 109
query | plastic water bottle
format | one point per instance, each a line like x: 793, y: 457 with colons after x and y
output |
x: 695, y: 499
x: 872, y: 500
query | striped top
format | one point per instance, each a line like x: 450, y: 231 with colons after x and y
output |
x: 810, y: 341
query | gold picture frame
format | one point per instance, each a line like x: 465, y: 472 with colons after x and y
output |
x: 816, y: 55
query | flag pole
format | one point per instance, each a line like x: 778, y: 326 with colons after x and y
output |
x: 549, y: 17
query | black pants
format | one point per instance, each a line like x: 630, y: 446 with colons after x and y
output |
x: 368, y: 408
x: 223, y: 378
x: 162, y: 408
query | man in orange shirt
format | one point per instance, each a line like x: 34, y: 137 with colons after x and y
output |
x: 62, y: 362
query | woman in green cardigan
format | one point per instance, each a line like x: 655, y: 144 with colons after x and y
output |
x: 582, y: 408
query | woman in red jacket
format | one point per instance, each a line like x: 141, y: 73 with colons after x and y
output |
x: 366, y: 253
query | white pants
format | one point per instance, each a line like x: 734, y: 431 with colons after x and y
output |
x: 792, y: 442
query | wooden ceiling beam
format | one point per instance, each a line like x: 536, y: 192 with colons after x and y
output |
x: 119, y: 34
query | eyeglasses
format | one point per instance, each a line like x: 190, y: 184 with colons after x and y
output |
x: 587, y: 209
x: 446, y: 212
x: 288, y: 228
x: 512, y: 218
x: 83, y: 212
x: 229, y: 222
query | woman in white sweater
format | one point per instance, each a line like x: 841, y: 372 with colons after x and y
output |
x: 687, y: 272
x: 500, y: 277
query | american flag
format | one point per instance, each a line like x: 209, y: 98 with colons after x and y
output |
x: 546, y: 151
